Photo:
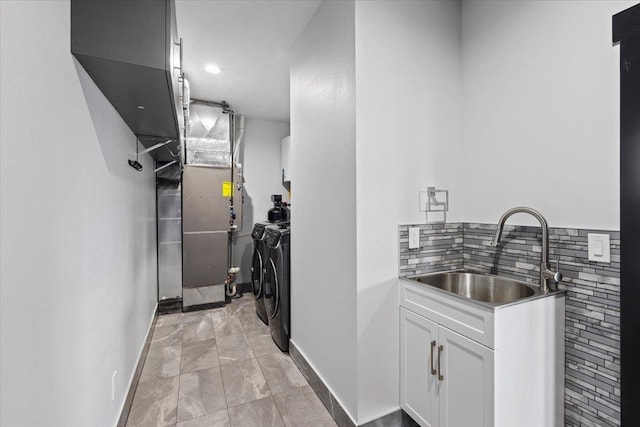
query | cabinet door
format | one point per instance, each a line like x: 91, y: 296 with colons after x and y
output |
x: 466, y: 389
x: 417, y: 383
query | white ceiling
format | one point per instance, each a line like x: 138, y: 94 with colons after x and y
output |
x: 251, y: 41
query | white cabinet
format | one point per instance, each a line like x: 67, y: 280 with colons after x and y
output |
x: 418, y: 396
x: 465, y: 394
x: 463, y: 364
x: 446, y: 379
x: 285, y: 158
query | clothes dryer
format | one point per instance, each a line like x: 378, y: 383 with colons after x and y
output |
x: 277, y: 288
x: 258, y: 264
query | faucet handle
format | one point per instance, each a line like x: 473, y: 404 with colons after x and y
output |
x: 550, y: 274
x: 557, y: 276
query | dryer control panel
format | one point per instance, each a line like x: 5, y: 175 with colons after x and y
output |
x: 273, y: 237
x: 258, y: 231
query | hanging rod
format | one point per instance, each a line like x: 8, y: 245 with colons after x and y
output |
x: 153, y: 147
x: 165, y: 166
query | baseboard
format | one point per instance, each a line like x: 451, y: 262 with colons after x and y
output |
x: 135, y: 378
x: 397, y: 418
x: 200, y: 307
x: 171, y: 305
x: 390, y: 414
x: 328, y: 399
x: 202, y: 295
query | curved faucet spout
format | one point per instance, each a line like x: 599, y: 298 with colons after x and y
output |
x: 521, y: 209
x: 545, y: 272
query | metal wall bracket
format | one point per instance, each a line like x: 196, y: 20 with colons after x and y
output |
x: 165, y: 166
x: 155, y: 147
x: 434, y: 200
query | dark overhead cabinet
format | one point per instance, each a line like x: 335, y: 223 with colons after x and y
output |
x: 131, y: 51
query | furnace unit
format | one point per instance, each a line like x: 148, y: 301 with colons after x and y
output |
x: 211, y: 205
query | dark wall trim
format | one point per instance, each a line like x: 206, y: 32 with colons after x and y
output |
x: 398, y: 418
x: 171, y: 305
x: 327, y: 398
x: 126, y: 409
x: 626, y: 32
x: 200, y: 307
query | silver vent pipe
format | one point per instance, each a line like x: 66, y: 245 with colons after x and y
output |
x: 239, y: 138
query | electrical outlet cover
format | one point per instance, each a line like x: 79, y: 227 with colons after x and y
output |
x: 599, y: 247
x: 414, y: 237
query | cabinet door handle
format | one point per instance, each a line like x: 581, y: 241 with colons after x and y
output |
x: 440, y: 376
x: 433, y: 370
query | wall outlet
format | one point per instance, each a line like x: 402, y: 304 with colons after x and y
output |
x: 599, y: 247
x: 113, y: 385
x: 414, y: 237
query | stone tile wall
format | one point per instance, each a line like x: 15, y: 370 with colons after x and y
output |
x: 592, y: 343
x: 441, y: 247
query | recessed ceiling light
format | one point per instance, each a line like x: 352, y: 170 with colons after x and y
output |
x: 213, y: 69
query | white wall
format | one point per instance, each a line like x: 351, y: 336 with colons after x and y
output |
x: 259, y: 154
x: 78, y: 246
x: 501, y: 103
x: 541, y: 111
x: 408, y: 138
x: 323, y: 233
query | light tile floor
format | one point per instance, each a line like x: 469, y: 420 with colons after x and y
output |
x: 220, y: 368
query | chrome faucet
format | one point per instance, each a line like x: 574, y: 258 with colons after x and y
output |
x: 546, y: 274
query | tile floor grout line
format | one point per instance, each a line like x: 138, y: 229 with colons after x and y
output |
x: 179, y: 373
x: 271, y: 393
x: 224, y: 389
x: 224, y: 393
x: 265, y: 379
x: 241, y: 316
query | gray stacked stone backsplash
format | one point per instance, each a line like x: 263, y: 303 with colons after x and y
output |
x: 441, y: 247
x: 592, y: 343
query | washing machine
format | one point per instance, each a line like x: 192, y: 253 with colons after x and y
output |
x: 277, y: 299
x: 258, y: 264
